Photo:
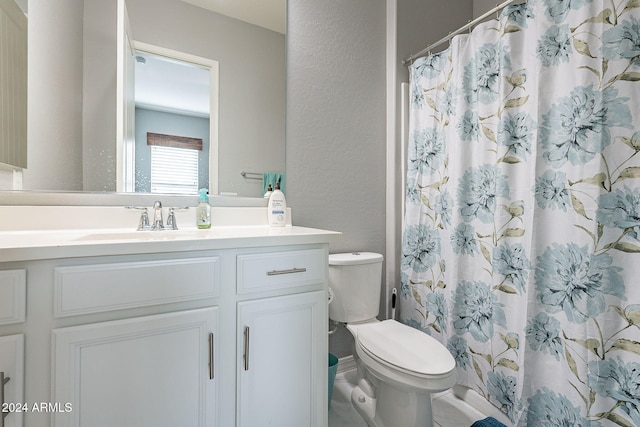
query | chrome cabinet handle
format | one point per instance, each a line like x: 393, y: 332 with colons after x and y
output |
x: 211, y: 356
x: 246, y: 348
x: 3, y: 381
x: 291, y: 271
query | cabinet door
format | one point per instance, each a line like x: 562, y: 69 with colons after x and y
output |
x: 145, y: 372
x: 282, y: 351
x: 12, y: 374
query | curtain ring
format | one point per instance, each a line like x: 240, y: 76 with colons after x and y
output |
x: 497, y: 12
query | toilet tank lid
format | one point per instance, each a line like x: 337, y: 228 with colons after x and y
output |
x: 354, y: 258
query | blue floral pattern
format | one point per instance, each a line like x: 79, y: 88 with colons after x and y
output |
x: 503, y: 387
x: 621, y: 209
x: 577, y: 128
x: 571, y: 279
x: 555, y: 46
x: 476, y: 310
x: 547, y: 408
x: 521, y: 243
x: 551, y: 190
x: 619, y: 381
x: 421, y: 247
x: 543, y: 334
x: 477, y: 192
x: 623, y: 41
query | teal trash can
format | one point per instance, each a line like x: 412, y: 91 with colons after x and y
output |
x: 333, y: 368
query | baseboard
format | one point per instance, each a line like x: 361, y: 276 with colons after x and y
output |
x: 345, y: 364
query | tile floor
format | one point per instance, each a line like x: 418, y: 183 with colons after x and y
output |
x: 448, y: 411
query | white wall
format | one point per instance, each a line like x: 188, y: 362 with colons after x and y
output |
x: 10, y: 178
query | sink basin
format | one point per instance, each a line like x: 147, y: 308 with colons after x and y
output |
x: 147, y: 235
x: 121, y: 235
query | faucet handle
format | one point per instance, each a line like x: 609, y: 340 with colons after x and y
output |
x: 171, y: 219
x: 144, y: 220
x: 144, y: 217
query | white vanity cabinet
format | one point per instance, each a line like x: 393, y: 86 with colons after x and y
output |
x: 129, y: 369
x: 282, y: 374
x: 147, y: 371
x: 282, y: 377
x: 205, y: 333
x: 12, y: 314
x: 11, y: 379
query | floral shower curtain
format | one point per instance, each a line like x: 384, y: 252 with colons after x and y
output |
x: 521, y: 246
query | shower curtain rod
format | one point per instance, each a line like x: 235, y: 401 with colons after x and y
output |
x: 479, y: 19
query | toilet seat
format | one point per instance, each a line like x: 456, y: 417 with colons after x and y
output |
x: 405, y: 355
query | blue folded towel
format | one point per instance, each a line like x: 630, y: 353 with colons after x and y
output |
x: 488, y: 422
x: 272, y: 178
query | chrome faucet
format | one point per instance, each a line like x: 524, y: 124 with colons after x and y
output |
x: 158, y: 223
x: 157, y: 216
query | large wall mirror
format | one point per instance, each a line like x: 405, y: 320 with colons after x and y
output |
x: 77, y: 118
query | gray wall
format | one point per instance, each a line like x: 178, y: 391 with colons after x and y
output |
x: 336, y: 119
x: 336, y: 112
x: 54, y: 112
x: 336, y: 123
x: 482, y: 6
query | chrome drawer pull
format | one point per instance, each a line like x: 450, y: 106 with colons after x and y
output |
x: 3, y: 381
x: 246, y: 348
x: 211, y: 356
x: 293, y: 270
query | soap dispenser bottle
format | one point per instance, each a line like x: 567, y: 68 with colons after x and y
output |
x: 269, y: 192
x: 203, y: 211
x: 277, y: 208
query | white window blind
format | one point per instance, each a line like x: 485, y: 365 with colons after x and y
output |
x: 174, y: 170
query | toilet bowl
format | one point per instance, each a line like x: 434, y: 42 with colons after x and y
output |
x: 398, y: 366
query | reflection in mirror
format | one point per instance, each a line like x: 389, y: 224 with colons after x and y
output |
x: 72, y: 98
x: 174, y: 98
x: 13, y: 85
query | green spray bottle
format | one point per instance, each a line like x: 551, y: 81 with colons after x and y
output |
x: 203, y: 211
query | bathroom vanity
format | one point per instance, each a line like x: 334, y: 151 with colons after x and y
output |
x: 110, y: 326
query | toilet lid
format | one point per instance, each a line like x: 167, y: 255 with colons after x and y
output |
x: 405, y: 347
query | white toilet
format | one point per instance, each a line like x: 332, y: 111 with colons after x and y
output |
x: 398, y: 366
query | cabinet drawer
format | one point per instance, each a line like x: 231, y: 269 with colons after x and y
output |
x: 13, y: 285
x: 105, y: 287
x: 281, y: 270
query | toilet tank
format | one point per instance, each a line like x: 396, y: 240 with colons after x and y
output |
x: 355, y: 279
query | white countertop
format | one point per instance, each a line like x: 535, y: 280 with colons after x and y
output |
x: 36, y: 245
x: 48, y: 232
